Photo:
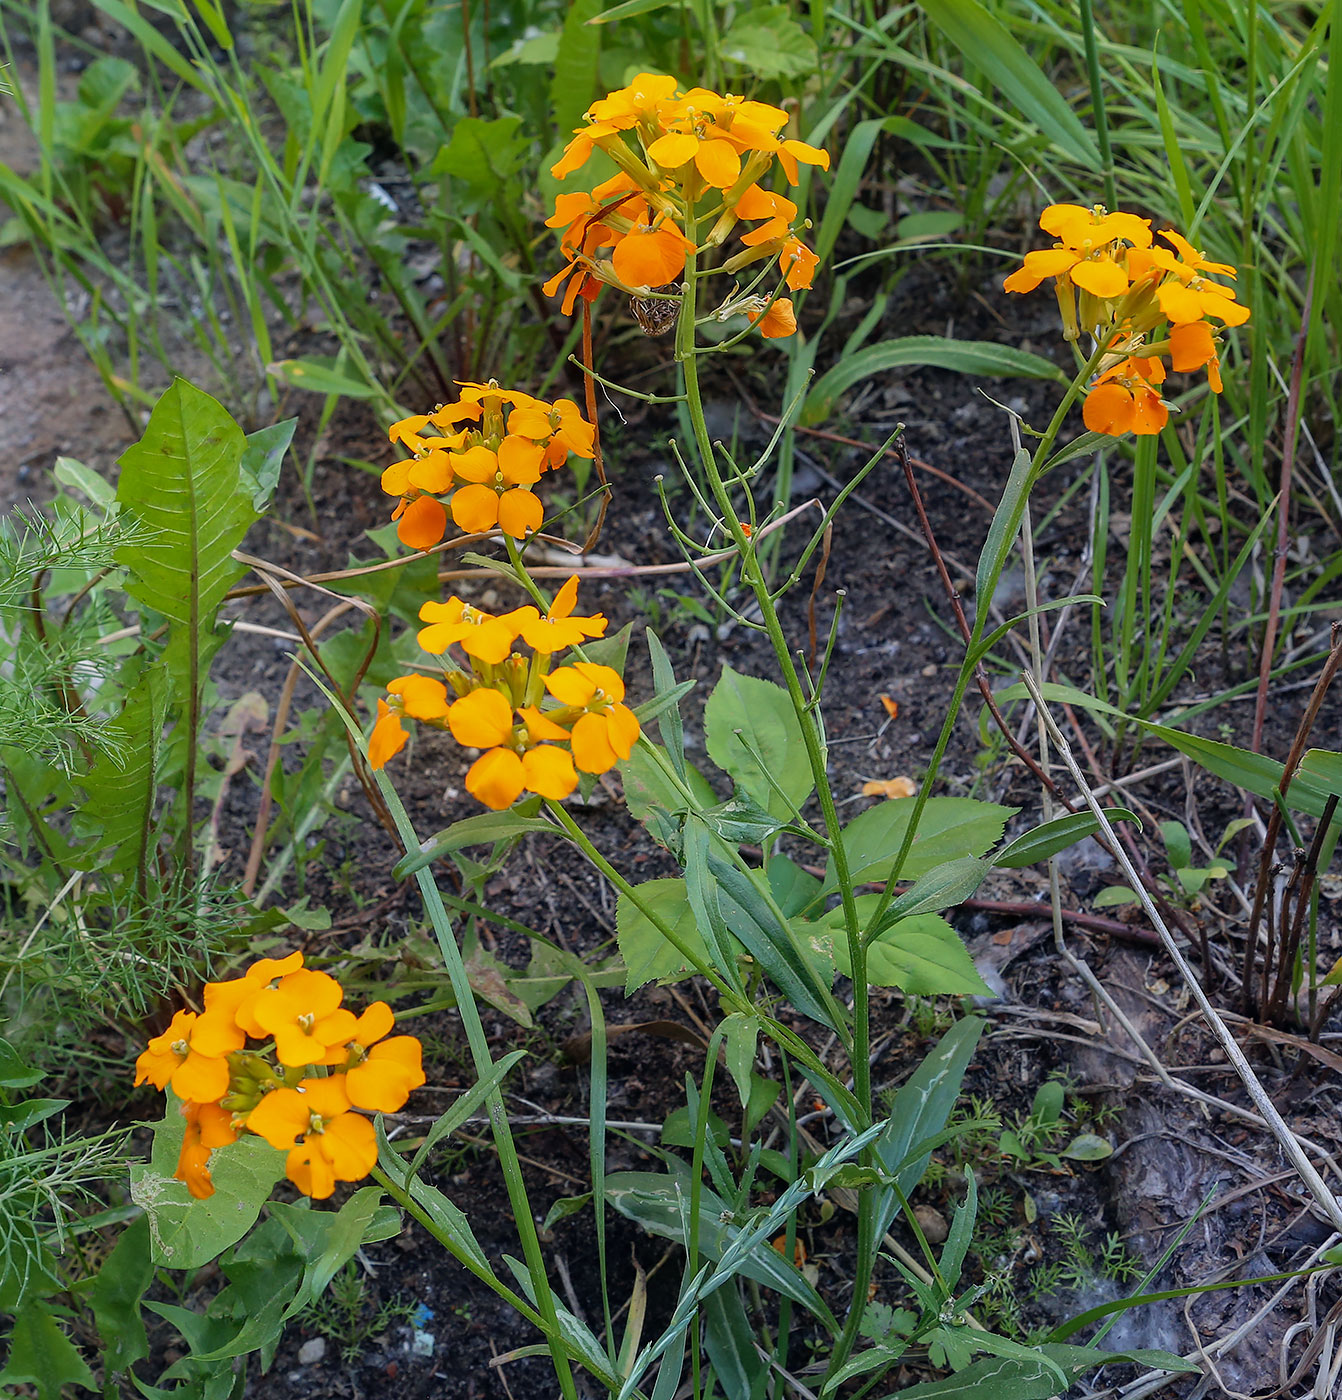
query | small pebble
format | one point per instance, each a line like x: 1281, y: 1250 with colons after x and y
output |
x: 311, y: 1353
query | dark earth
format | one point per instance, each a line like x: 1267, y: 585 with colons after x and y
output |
x: 896, y: 638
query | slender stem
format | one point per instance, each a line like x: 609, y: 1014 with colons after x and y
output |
x: 753, y: 575
x: 518, y: 1198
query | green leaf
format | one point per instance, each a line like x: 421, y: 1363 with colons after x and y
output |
x: 1115, y: 895
x: 122, y: 786
x: 997, y: 544
x: 1087, y: 1147
x: 996, y: 1378
x: 943, y: 887
x: 483, y: 152
x: 41, y: 1355
x: 730, y: 1343
x: 1178, y: 844
x: 949, y: 827
x: 983, y: 358
x: 844, y: 187
x: 573, y: 83
x: 328, y: 1240
x: 646, y: 953
x: 481, y: 830
x: 263, y: 457
x: 563, y: 1208
x: 771, y: 44
x: 630, y: 8
x: 97, y: 488
x: 185, y: 1233
x: 745, y: 713
x: 319, y: 375
x: 920, y: 1111
x: 987, y: 46
x: 1319, y: 774
x: 742, y: 1032
x: 660, y: 1205
x: 15, y: 1071
x: 115, y: 1297
x: 1048, y: 839
x: 922, y: 954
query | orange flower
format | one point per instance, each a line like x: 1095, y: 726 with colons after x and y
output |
x: 499, y: 777
x: 172, y: 1059
x: 207, y: 1126
x: 558, y: 629
x: 1192, y: 347
x: 422, y: 523
x: 652, y: 255
x: 303, y: 1013
x: 481, y: 719
x: 481, y: 635
x: 778, y: 321
x: 383, y: 1080
x: 1125, y: 401
x: 422, y: 697
x: 1188, y: 297
x: 606, y: 730
x: 336, y: 1145
x: 1085, y: 253
x: 388, y: 738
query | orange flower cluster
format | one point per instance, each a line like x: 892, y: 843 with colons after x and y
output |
x: 298, y: 1093
x: 495, y: 702
x: 1116, y: 283
x: 675, y: 150
x: 488, y: 449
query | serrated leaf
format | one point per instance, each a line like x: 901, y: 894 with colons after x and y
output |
x: 41, y: 1355
x: 182, y: 481
x: 750, y: 729
x: 982, y: 358
x: 122, y: 785
x: 771, y: 44
x: 950, y: 827
x: 922, y: 954
x: 646, y: 952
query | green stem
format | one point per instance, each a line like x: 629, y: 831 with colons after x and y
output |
x: 981, y: 609
x: 1097, y: 106
x: 753, y: 575
x: 518, y: 1198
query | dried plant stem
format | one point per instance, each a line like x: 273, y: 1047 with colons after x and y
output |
x: 1290, y: 1144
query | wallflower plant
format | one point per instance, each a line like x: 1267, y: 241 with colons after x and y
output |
x: 791, y: 956
x: 315, y: 1063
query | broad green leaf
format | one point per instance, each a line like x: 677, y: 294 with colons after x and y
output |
x: 185, y: 1233
x: 653, y: 797
x: 115, y: 1297
x: 751, y: 729
x: 742, y: 1032
x: 97, y: 488
x: 183, y: 482
x: 15, y: 1071
x: 573, y: 82
x: 983, y: 358
x: 996, y: 1378
x: 794, y: 888
x: 646, y: 952
x: 41, y: 1355
x: 327, y: 1239
x: 563, y: 1208
x: 989, y: 47
x: 263, y: 457
x: 1053, y: 836
x: 770, y: 44
x: 122, y: 785
x: 922, y: 954
x: 483, y: 152
x: 949, y: 827
x: 1087, y: 1147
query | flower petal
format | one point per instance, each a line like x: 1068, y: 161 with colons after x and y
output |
x: 496, y: 779
x: 423, y: 524
x: 481, y: 719
x: 549, y: 772
x: 475, y: 509
x: 520, y: 512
